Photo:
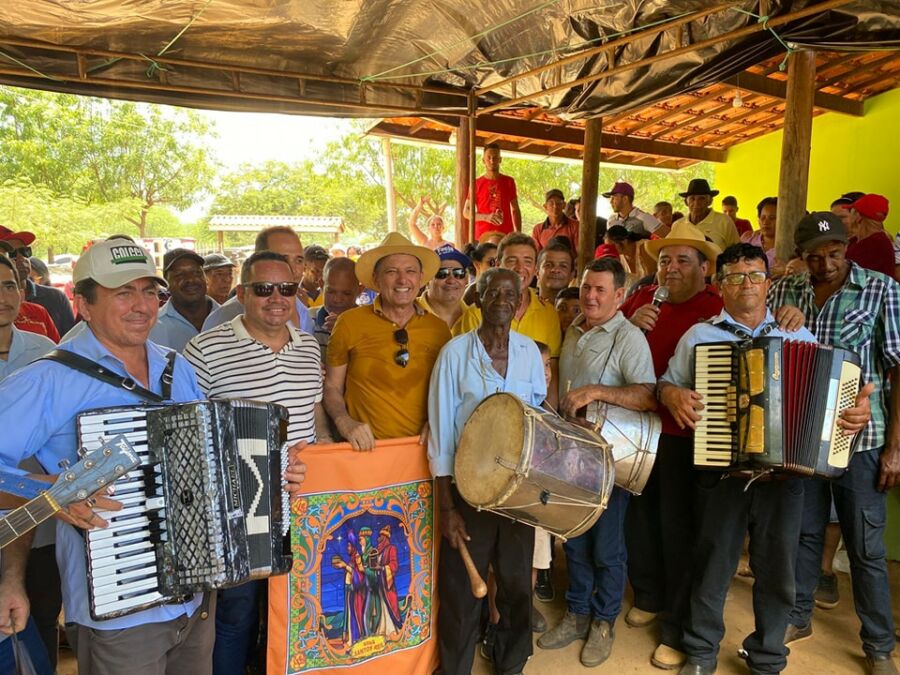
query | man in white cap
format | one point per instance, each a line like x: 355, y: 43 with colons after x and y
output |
x: 380, y: 356
x: 116, y: 286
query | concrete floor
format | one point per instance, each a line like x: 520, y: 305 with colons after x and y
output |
x: 834, y: 648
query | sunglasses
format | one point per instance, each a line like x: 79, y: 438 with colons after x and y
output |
x: 24, y: 251
x: 263, y: 289
x: 444, y: 272
x: 401, y: 358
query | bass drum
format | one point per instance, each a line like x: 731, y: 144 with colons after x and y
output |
x: 531, y: 465
x: 632, y: 437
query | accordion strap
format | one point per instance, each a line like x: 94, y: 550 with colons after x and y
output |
x: 98, y: 372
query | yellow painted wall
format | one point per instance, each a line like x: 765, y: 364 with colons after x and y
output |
x: 848, y: 153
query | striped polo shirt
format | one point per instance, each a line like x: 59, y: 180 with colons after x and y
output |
x: 230, y: 363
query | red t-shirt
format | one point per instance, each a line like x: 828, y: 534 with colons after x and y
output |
x: 674, y: 321
x: 35, y: 319
x: 742, y: 226
x: 875, y: 252
x: 493, y: 195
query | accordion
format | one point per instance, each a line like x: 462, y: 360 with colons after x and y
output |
x: 774, y: 404
x: 205, y: 509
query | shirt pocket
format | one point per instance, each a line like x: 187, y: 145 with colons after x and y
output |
x: 523, y: 390
x: 857, y: 327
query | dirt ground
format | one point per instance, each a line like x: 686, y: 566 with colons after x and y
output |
x: 833, y: 649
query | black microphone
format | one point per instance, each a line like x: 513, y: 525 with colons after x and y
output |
x: 659, y: 297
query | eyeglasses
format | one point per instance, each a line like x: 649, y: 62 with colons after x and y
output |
x: 737, y: 278
x: 401, y: 358
x: 23, y: 251
x: 263, y: 289
x: 444, y: 272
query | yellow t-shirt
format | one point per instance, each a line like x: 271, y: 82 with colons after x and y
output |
x: 540, y: 322
x: 392, y: 400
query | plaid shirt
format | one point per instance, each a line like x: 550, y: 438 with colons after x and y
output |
x: 864, y: 317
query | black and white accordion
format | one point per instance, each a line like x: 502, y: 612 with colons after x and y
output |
x: 205, y: 510
x: 774, y: 404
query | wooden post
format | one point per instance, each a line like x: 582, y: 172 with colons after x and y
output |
x: 590, y: 177
x: 472, y: 147
x: 795, y: 149
x: 220, y: 241
x: 389, y: 184
x: 461, y: 236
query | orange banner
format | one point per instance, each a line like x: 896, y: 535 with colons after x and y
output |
x: 360, y: 594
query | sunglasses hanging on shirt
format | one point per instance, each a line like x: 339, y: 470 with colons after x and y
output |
x: 401, y: 358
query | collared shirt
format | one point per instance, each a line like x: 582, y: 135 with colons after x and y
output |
x: 463, y: 377
x: 717, y: 227
x: 172, y: 329
x: 391, y: 399
x: 540, y: 322
x: 756, y: 239
x: 544, y: 232
x: 681, y: 366
x: 54, y: 301
x: 231, y: 363
x: 651, y: 224
x: 862, y: 316
x: 40, y: 403
x: 24, y: 348
x: 614, y: 354
x: 423, y: 302
x: 227, y: 311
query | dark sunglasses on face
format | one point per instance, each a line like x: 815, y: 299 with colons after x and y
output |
x: 444, y: 272
x: 401, y: 358
x: 24, y: 251
x: 263, y: 289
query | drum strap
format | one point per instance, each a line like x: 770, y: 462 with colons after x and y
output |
x: 98, y: 372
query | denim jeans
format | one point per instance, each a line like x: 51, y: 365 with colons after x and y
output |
x: 862, y: 512
x: 597, y: 563
x: 771, y: 511
x: 29, y: 642
x: 237, y: 625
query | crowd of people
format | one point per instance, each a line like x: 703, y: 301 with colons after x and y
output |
x: 406, y: 340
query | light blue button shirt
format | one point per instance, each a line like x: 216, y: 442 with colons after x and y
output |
x: 24, y: 348
x: 38, y: 405
x: 228, y: 310
x: 681, y: 365
x: 172, y: 329
x: 463, y: 377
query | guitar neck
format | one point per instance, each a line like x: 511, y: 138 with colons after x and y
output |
x: 26, y: 517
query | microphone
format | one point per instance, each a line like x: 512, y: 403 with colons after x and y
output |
x: 659, y: 297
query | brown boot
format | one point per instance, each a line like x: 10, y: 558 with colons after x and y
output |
x: 572, y: 627
x: 599, y: 644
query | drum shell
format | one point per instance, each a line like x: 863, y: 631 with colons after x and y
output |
x: 530, y: 465
x: 633, y: 438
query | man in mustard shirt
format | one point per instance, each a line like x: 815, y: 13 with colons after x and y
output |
x: 380, y: 356
x: 717, y: 227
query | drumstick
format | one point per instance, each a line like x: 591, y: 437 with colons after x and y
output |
x: 479, y: 588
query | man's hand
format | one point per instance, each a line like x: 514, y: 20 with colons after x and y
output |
x: 83, y: 514
x: 295, y: 473
x: 497, y: 217
x: 454, y: 528
x: 789, y: 318
x: 646, y: 317
x: 357, y: 434
x: 683, y: 404
x: 856, y: 418
x: 330, y: 320
x: 578, y: 398
x: 13, y: 606
x: 423, y: 435
x: 889, y: 476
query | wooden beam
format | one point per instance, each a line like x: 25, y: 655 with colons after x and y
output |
x: 472, y: 140
x: 389, y: 183
x: 888, y: 78
x: 795, y: 149
x: 863, y: 67
x: 773, y: 88
x: 694, y: 120
x: 590, y: 178
x: 732, y: 120
x: 461, y: 235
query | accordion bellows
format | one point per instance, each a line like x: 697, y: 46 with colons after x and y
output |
x: 205, y: 510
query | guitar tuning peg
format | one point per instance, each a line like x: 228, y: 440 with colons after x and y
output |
x: 81, y: 452
x: 64, y: 464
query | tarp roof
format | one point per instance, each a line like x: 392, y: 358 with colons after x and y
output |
x: 388, y: 57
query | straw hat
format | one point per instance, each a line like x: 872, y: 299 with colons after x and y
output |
x: 392, y: 244
x: 683, y: 233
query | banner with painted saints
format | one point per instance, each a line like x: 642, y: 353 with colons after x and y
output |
x: 359, y: 595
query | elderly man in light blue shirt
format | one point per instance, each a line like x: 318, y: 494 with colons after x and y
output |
x: 471, y: 367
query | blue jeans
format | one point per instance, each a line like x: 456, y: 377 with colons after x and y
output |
x: 237, y: 625
x: 31, y: 643
x: 597, y: 563
x: 862, y: 512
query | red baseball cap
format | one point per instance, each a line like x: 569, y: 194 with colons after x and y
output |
x: 606, y: 251
x: 620, y: 188
x: 11, y: 238
x: 873, y: 207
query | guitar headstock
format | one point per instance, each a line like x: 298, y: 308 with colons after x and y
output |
x: 95, y: 470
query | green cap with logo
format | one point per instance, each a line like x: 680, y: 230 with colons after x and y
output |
x: 115, y: 263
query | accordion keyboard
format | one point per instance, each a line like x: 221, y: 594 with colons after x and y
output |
x: 715, y: 432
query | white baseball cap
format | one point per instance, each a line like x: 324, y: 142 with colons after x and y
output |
x: 115, y: 263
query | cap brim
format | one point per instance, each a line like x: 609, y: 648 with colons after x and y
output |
x: 196, y: 257
x: 23, y: 238
x: 365, y: 266
x: 815, y: 242
x: 707, y: 248
x: 711, y: 193
x: 218, y: 266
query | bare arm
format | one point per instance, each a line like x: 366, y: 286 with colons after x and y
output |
x: 683, y: 404
x: 478, y: 214
x: 414, y: 231
x: 516, y: 215
x: 631, y: 396
x: 13, y: 599
x: 358, y: 434
x: 553, y: 388
x: 453, y: 525
x: 323, y: 429
x: 890, y: 456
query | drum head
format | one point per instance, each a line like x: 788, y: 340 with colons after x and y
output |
x: 491, y: 443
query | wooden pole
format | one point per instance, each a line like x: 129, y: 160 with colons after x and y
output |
x: 795, y: 149
x: 220, y: 241
x: 461, y: 235
x: 472, y: 124
x: 590, y: 177
x: 389, y: 184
